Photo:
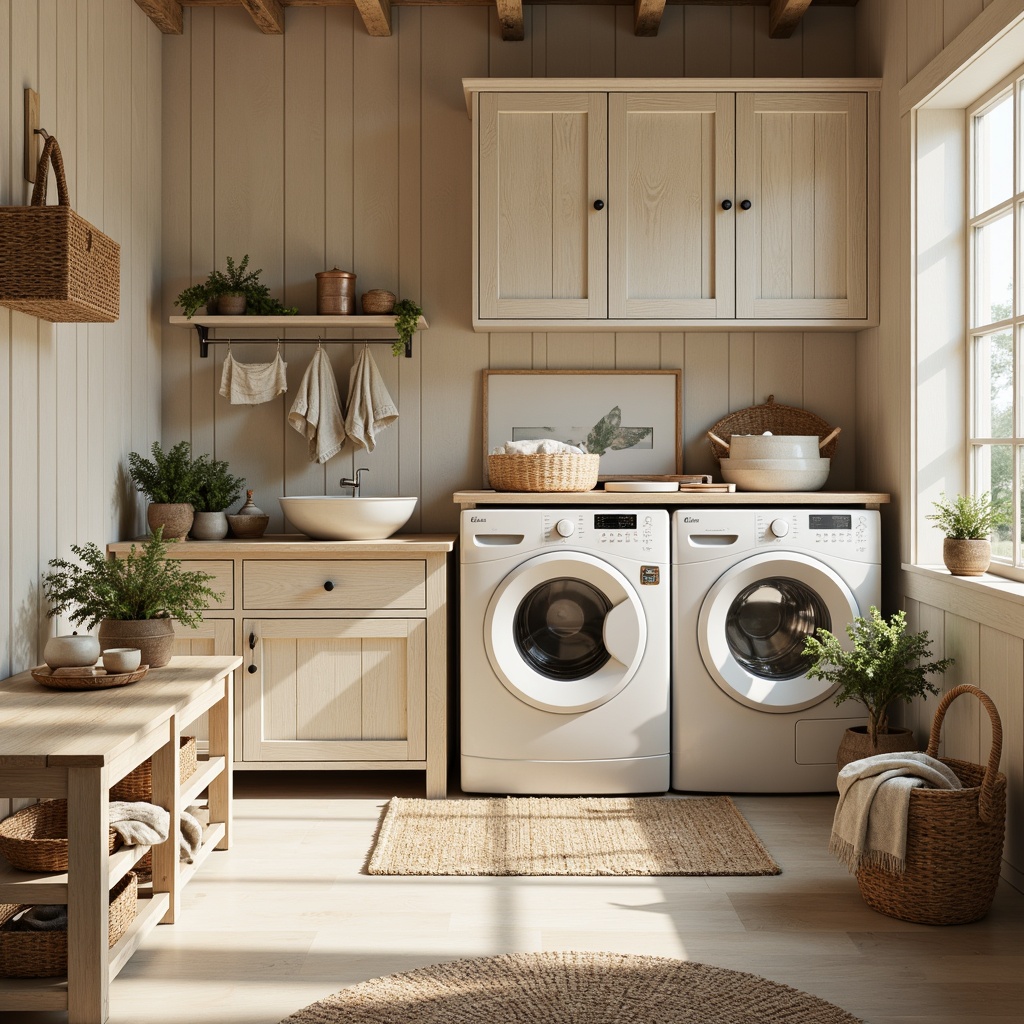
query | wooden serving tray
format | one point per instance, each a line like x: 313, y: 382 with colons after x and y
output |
x: 101, y: 681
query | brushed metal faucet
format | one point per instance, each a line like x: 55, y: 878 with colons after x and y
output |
x: 354, y: 484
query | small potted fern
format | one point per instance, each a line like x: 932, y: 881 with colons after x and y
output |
x: 967, y: 521
x: 168, y: 479
x: 216, y: 489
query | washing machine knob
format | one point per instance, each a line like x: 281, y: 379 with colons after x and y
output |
x: 565, y: 528
x: 779, y: 527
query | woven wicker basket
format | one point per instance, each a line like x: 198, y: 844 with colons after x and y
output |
x: 779, y: 419
x: 377, y: 300
x: 53, y: 263
x: 138, y: 783
x: 561, y: 471
x: 45, y: 954
x: 36, y: 837
x: 954, y: 839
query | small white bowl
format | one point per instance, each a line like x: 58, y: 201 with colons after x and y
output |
x: 122, y: 659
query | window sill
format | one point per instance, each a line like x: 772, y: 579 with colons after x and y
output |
x: 992, y: 600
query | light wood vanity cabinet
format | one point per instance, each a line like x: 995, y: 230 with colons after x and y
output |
x: 344, y: 648
x: 618, y: 204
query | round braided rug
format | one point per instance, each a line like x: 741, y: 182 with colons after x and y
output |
x: 571, y: 988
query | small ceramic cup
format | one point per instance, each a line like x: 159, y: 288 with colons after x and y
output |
x: 122, y: 659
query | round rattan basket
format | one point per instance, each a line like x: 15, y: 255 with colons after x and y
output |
x: 138, y: 783
x: 954, y: 839
x: 377, y: 300
x: 779, y: 419
x: 36, y: 837
x: 560, y: 471
x: 44, y: 954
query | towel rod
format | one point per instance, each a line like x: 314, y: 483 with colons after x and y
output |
x: 205, y: 341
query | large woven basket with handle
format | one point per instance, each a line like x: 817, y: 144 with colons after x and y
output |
x: 954, y: 839
x: 779, y: 419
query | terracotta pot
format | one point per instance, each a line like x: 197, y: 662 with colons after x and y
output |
x: 856, y: 744
x: 966, y: 557
x: 154, y: 637
x: 210, y: 526
x: 176, y: 519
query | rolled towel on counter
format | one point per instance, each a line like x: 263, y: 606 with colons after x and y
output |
x: 544, y: 446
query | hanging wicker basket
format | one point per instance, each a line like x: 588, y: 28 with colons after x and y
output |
x: 779, y: 419
x: 954, y: 839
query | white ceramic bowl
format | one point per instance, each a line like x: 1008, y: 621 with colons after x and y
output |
x: 122, y: 659
x: 79, y: 650
x: 773, y: 446
x: 341, y: 517
x: 777, y: 465
x: 775, y: 480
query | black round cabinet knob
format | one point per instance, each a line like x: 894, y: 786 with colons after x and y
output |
x: 598, y: 204
x: 251, y: 669
x: 746, y: 204
x: 328, y: 586
x: 726, y: 204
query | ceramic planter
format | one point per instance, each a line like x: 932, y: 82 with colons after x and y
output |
x: 154, y: 637
x: 210, y: 526
x: 856, y: 744
x: 176, y: 519
x: 966, y: 557
x: 230, y: 304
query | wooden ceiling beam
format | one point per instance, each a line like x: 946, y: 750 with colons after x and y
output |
x: 268, y: 15
x: 647, y: 17
x: 376, y: 15
x: 165, y: 14
x: 784, y: 16
x: 510, y: 17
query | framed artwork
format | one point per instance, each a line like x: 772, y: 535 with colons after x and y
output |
x: 633, y: 419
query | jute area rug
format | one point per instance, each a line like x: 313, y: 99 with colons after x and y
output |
x: 571, y: 988
x: 568, y: 836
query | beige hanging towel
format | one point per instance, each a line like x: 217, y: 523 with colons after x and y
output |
x: 253, y: 383
x: 370, y: 407
x: 316, y: 411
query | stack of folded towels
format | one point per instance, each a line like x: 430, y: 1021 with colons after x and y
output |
x: 545, y: 446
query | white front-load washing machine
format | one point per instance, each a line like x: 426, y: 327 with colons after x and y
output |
x: 564, y: 645
x: 748, y: 585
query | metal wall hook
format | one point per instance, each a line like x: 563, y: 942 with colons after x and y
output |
x: 41, y: 131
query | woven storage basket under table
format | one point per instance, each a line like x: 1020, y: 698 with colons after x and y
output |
x: 779, y: 419
x: 36, y: 837
x: 954, y: 839
x: 45, y: 954
x: 53, y: 263
x: 559, y: 471
x: 138, y: 783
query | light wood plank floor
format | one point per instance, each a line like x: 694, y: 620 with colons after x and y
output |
x: 288, y: 916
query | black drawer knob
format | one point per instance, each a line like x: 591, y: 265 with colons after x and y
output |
x: 598, y: 204
x: 746, y: 204
x: 251, y: 669
x: 328, y: 586
x: 726, y: 204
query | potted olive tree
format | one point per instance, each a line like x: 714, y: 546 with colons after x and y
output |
x: 168, y: 479
x: 216, y: 489
x: 968, y: 521
x: 882, y: 665
x: 133, y: 599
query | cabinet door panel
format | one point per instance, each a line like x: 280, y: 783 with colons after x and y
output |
x: 671, y: 245
x: 801, y: 249
x: 210, y: 637
x: 542, y: 246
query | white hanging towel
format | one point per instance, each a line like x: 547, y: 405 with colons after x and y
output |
x: 316, y: 411
x: 370, y: 407
x: 253, y: 383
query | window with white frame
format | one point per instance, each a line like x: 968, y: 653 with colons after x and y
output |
x: 996, y: 311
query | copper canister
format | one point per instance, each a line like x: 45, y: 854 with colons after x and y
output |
x: 335, y: 292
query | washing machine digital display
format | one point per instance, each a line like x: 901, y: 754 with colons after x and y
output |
x: 618, y: 521
x: 830, y: 522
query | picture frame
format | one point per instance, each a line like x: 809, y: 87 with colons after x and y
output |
x: 634, y: 417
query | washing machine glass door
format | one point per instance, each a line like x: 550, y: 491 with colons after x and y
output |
x: 753, y: 623
x: 565, y: 631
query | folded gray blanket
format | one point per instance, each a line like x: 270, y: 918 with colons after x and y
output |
x: 48, y: 918
x: 139, y: 823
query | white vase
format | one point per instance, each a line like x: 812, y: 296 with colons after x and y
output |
x: 210, y: 526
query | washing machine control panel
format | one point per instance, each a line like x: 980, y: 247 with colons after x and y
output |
x: 825, y: 531
x: 632, y: 533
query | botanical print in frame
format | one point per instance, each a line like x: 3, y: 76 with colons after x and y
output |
x: 631, y: 418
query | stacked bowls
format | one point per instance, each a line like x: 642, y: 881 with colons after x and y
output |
x: 775, y: 462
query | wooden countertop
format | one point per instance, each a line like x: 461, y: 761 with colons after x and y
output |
x: 866, y: 499
x: 298, y: 544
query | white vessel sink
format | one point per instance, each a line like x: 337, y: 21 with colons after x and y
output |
x: 342, y: 517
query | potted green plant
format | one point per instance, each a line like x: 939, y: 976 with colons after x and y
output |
x: 229, y: 287
x: 407, y: 319
x: 168, y: 479
x: 968, y: 521
x: 234, y: 290
x: 882, y: 664
x: 216, y: 489
x: 133, y: 599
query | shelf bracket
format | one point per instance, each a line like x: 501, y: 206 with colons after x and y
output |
x: 204, y: 340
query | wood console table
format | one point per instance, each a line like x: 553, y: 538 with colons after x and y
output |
x: 77, y: 744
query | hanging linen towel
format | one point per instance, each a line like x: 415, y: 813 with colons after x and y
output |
x: 370, y: 407
x: 253, y: 383
x: 316, y: 411
x: 870, y: 825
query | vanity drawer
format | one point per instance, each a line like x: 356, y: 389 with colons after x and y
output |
x: 334, y: 583
x: 223, y: 581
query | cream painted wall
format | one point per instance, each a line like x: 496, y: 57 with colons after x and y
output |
x: 325, y: 147
x: 78, y: 398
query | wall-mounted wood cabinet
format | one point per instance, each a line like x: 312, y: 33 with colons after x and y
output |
x: 626, y: 204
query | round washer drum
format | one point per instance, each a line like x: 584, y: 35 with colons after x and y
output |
x: 753, y: 622
x: 565, y: 632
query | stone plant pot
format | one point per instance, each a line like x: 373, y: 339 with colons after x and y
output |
x: 154, y: 637
x: 210, y: 526
x: 176, y: 519
x: 966, y: 557
x: 856, y: 744
x: 230, y: 304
